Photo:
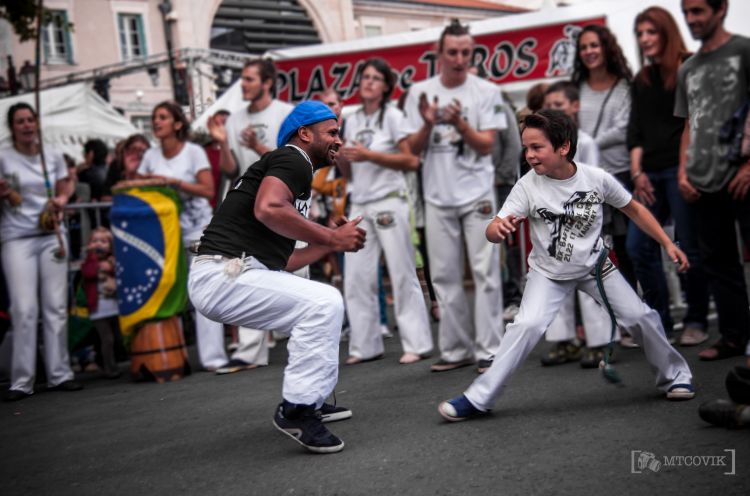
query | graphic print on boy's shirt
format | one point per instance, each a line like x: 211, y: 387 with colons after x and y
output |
x: 579, y: 212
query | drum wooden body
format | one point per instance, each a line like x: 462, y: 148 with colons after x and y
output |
x: 158, y: 352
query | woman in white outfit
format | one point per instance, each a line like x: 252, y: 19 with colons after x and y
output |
x: 377, y: 154
x: 35, y: 269
x: 185, y: 167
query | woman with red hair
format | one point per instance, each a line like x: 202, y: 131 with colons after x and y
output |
x: 654, y: 143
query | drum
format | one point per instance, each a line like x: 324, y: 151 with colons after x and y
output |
x: 158, y: 352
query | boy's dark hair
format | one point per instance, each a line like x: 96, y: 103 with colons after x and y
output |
x: 99, y: 148
x: 557, y: 127
x: 569, y: 89
x: 455, y: 28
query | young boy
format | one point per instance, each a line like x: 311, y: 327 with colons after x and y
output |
x: 564, y: 96
x: 564, y: 202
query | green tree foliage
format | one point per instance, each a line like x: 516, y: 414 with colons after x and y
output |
x: 21, y: 14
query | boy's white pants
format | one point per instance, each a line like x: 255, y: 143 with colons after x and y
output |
x: 445, y: 248
x: 37, y: 280
x: 309, y: 312
x: 387, y: 224
x: 542, y: 298
x: 597, y: 325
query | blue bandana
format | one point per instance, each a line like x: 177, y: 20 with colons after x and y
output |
x: 306, y: 113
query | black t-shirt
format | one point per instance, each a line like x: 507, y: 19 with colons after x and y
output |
x: 234, y: 228
x: 653, y: 125
x: 94, y: 176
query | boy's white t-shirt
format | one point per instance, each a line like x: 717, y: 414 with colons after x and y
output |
x: 266, y: 125
x: 24, y: 175
x: 565, y: 217
x: 453, y: 173
x: 185, y: 166
x: 587, y: 152
x: 371, y: 181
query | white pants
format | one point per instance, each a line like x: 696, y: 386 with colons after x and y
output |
x: 387, y: 224
x: 309, y: 312
x: 37, y: 281
x: 253, y: 343
x: 209, y: 335
x: 542, y: 298
x: 444, y: 227
x: 597, y: 325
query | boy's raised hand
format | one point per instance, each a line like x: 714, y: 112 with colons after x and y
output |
x: 678, y: 257
x: 501, y: 227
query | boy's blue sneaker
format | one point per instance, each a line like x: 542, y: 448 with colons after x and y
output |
x: 681, y: 392
x: 458, y: 409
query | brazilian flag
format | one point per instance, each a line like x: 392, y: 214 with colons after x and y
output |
x: 151, y: 268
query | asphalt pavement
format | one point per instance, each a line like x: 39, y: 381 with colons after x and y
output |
x: 557, y: 430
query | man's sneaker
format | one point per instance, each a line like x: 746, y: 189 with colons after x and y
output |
x: 444, y: 365
x: 562, y: 352
x: 303, y: 424
x: 458, y: 409
x: 723, y: 413
x: 234, y: 365
x: 678, y: 392
x: 484, y: 365
x: 332, y: 413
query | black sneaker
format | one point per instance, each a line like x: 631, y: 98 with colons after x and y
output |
x: 303, y: 424
x: 562, y: 352
x: 722, y: 413
x: 332, y: 413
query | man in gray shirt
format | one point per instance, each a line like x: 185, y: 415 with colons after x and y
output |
x: 712, y: 84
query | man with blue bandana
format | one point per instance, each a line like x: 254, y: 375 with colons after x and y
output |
x: 241, y: 275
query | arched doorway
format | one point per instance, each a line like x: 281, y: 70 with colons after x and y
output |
x: 255, y: 26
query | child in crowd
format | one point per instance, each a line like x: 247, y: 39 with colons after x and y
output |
x: 564, y: 202
x: 564, y: 96
x: 98, y: 271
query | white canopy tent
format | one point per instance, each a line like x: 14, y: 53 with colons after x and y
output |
x: 71, y: 115
x: 619, y: 14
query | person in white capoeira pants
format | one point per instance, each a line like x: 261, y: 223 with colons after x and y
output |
x: 375, y: 154
x: 249, y: 133
x: 453, y: 120
x: 564, y: 96
x: 564, y: 202
x: 238, y: 276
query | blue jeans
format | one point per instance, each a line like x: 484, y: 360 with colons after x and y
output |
x: 646, y: 254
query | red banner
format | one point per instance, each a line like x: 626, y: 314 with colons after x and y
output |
x: 510, y: 56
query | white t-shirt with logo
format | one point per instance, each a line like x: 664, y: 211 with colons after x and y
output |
x: 566, y: 218
x: 265, y: 123
x: 371, y: 181
x: 454, y: 174
x: 24, y: 175
x: 185, y: 166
